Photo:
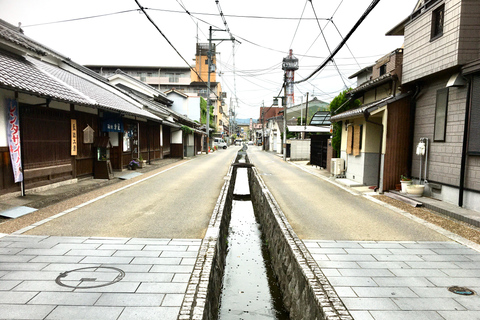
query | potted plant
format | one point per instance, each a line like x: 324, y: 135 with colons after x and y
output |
x: 405, y: 182
x: 142, y: 163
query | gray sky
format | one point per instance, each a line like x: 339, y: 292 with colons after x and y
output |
x: 130, y: 39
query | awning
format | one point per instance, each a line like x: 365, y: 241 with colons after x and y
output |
x: 312, y: 129
x: 370, y: 107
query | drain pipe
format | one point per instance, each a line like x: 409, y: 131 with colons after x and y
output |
x: 366, y: 115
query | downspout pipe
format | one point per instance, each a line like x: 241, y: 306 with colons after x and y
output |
x: 366, y: 115
x: 463, y: 162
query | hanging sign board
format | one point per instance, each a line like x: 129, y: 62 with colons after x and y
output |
x: 13, y: 132
x: 73, y: 127
x: 112, y: 122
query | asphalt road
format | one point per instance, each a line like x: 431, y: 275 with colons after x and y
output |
x: 317, y: 209
x: 177, y: 203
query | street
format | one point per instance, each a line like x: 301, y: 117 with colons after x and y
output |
x: 328, y: 213
x: 174, y: 204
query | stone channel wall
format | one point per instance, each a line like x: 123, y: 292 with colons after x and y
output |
x: 202, y: 300
x: 307, y: 294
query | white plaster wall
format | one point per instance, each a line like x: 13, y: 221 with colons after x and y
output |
x: 178, y: 103
x: 177, y: 136
x: 194, y: 108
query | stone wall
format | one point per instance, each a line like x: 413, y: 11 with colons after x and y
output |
x: 203, y: 292
x: 307, y: 294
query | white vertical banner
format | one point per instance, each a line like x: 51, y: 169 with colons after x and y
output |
x: 13, y: 135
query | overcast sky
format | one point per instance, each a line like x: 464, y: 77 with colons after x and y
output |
x: 266, y: 30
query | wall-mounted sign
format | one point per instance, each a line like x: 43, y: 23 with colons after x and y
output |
x: 112, y: 122
x: 88, y: 133
x: 73, y: 130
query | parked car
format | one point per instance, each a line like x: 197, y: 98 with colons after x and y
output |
x: 238, y: 142
x: 250, y: 143
x: 220, y: 143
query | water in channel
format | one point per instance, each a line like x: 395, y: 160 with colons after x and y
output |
x: 249, y: 287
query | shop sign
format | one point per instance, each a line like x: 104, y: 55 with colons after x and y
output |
x: 13, y: 131
x: 73, y: 127
x: 112, y: 123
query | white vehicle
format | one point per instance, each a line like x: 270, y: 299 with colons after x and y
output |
x: 219, y: 143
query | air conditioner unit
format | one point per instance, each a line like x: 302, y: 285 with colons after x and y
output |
x: 337, y: 166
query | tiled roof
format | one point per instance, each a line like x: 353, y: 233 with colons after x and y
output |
x: 104, y: 98
x: 17, y: 73
x: 370, y: 107
x: 15, y: 35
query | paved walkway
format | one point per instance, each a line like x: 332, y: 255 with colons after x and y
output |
x: 401, y: 280
x: 75, y: 278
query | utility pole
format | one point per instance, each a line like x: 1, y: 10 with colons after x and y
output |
x: 209, y: 61
x: 284, y: 101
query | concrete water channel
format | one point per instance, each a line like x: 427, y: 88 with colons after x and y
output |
x: 251, y: 264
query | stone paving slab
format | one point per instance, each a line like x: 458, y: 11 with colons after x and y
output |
x: 405, y: 280
x: 155, y: 280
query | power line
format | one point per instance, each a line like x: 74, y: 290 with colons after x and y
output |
x: 165, y: 37
x: 326, y: 43
x: 342, y: 43
x: 298, y: 25
x: 233, y: 15
x: 346, y: 45
x: 83, y: 18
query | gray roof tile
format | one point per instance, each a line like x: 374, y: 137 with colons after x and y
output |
x: 104, y: 98
x: 17, y: 73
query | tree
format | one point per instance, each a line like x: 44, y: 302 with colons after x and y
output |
x: 339, y: 104
x: 203, y: 113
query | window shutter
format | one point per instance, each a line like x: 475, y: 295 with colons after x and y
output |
x: 349, y: 139
x: 356, y: 140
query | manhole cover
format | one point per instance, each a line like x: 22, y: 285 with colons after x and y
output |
x: 90, y: 277
x: 462, y: 291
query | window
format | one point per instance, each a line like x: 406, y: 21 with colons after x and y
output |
x: 173, y: 77
x: 383, y: 69
x: 473, y: 127
x: 441, y: 108
x: 437, y: 22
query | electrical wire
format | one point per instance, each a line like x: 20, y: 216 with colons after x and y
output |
x: 234, y: 16
x: 298, y: 25
x: 342, y: 43
x: 346, y: 45
x: 83, y: 18
x: 326, y: 43
x: 165, y: 37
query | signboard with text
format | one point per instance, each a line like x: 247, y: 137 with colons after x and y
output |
x: 13, y: 133
x: 73, y: 123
